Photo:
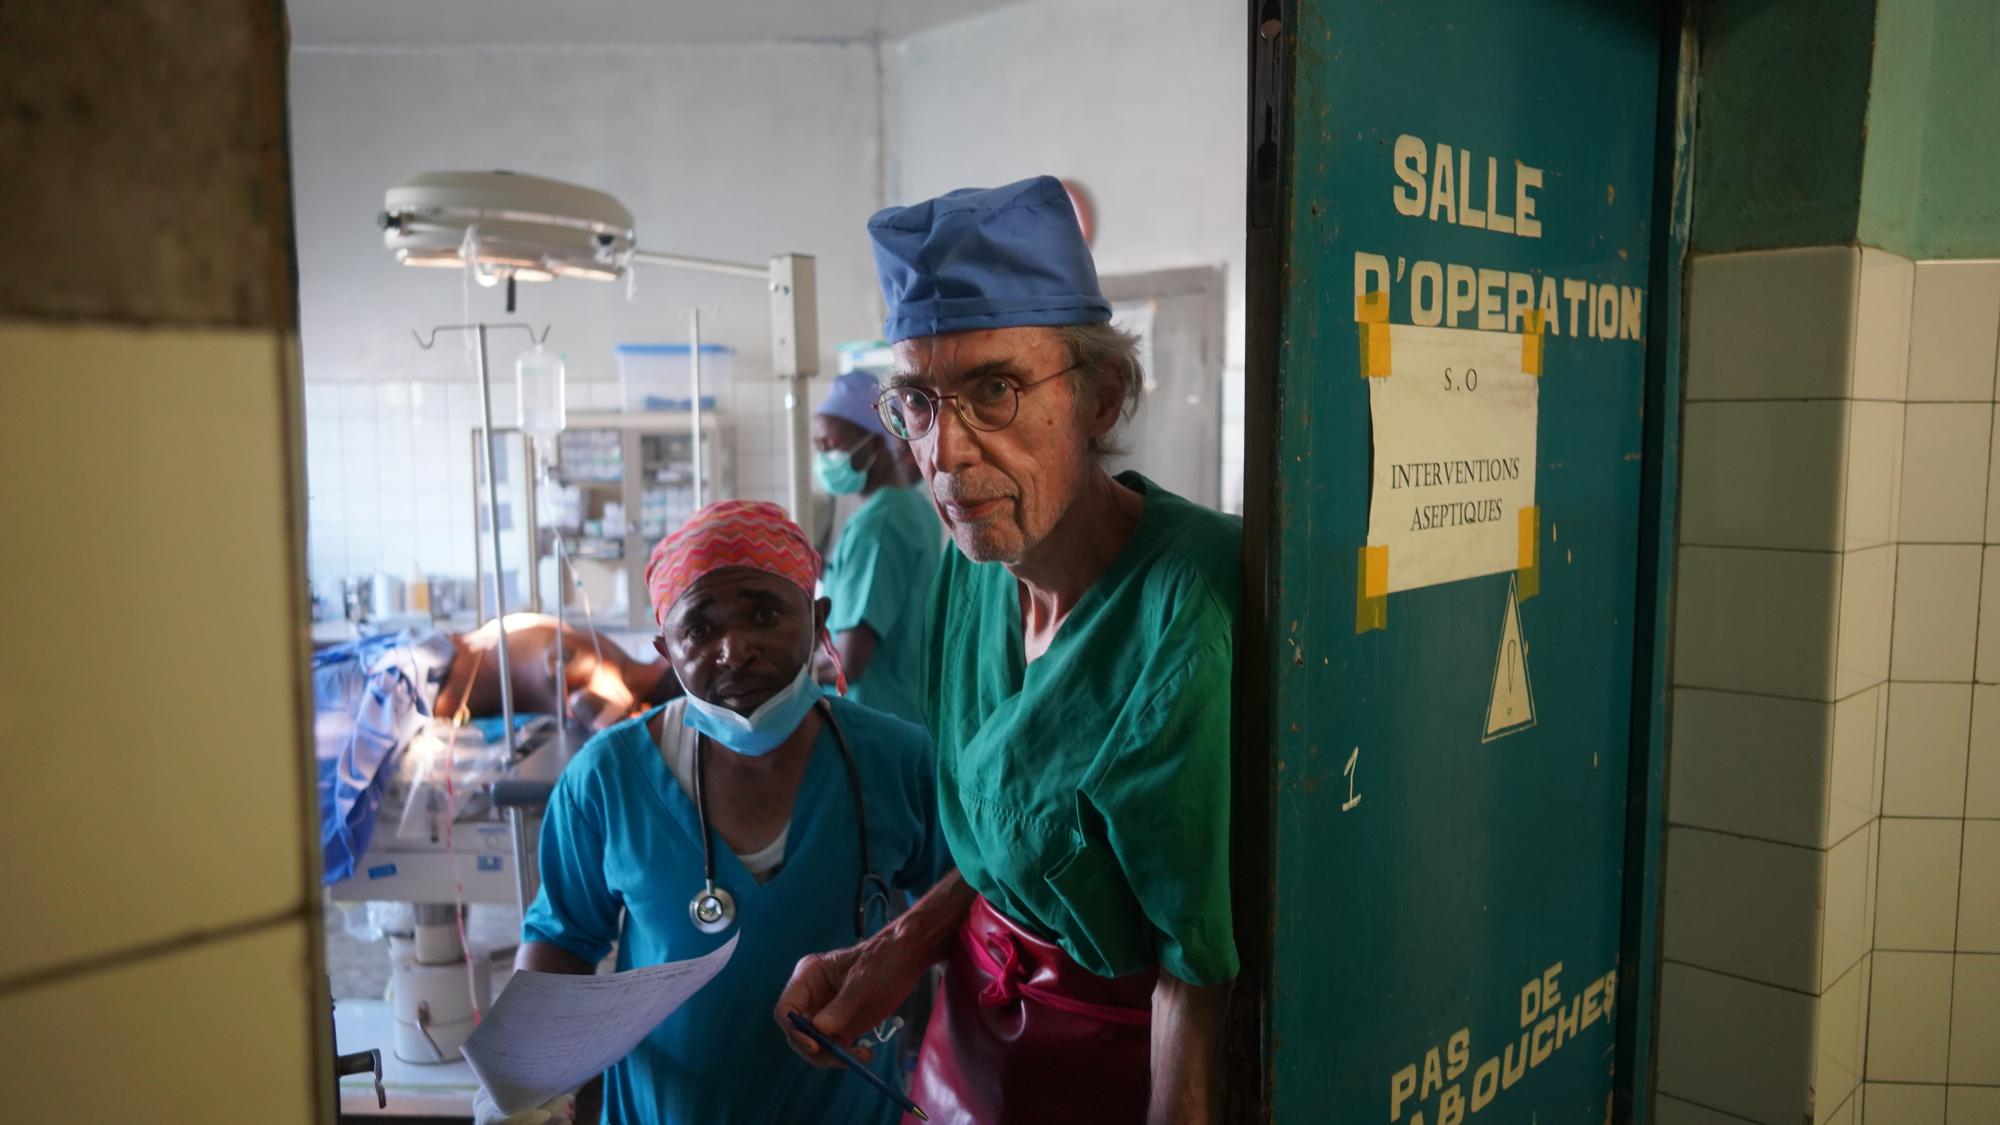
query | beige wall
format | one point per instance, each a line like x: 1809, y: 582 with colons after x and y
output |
x: 159, y: 951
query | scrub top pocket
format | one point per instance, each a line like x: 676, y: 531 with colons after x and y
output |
x: 1109, y: 923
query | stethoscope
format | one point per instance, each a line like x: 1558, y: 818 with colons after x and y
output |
x: 713, y: 908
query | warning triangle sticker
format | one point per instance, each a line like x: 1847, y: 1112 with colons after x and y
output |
x: 1512, y: 708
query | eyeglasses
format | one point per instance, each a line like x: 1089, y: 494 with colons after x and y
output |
x: 987, y: 403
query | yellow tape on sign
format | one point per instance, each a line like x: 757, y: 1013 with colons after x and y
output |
x: 1371, y: 581
x: 1532, y: 331
x: 1528, y: 571
x: 1371, y: 316
x: 1374, y: 351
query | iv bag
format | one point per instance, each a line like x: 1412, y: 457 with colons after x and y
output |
x: 540, y: 376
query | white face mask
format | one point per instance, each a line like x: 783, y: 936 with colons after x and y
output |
x: 762, y: 730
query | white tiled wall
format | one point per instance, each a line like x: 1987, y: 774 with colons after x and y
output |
x: 389, y: 469
x: 1952, y: 331
x: 1937, y: 598
x: 389, y: 479
x: 1909, y: 1017
x: 1979, y: 888
x: 1904, y: 1104
x: 1924, y: 772
x: 1742, y: 763
x: 1916, y: 906
x: 1832, y: 914
x: 1945, y: 448
x: 1779, y: 324
x: 1735, y: 1045
x: 1971, y: 1105
x: 1755, y: 473
x: 1795, y: 429
x: 1745, y: 907
x: 1975, y: 1020
x: 1982, y: 758
x: 1933, y: 1020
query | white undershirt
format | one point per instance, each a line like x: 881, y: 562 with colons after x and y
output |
x: 677, y: 746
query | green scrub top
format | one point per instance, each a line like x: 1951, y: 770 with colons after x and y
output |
x: 1086, y: 795
x: 878, y: 576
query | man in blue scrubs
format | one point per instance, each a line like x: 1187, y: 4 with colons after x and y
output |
x: 622, y: 843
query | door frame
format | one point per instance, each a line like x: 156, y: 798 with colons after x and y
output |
x: 1208, y: 286
x: 1247, y: 1046
x: 1659, y: 524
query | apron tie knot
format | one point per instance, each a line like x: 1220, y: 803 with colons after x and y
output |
x: 1003, y: 963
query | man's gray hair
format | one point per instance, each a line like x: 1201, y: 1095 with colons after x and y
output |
x: 1107, y: 371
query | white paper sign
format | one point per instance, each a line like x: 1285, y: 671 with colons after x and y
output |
x: 550, y: 1032
x: 1455, y: 422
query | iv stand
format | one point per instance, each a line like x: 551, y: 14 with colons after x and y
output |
x: 792, y: 280
x: 516, y: 819
x: 694, y: 410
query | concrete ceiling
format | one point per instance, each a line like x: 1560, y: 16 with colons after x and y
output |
x: 465, y: 23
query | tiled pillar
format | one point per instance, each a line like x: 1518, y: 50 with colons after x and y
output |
x: 1794, y: 424
x: 1933, y: 1055
x: 159, y: 950
x: 1837, y: 594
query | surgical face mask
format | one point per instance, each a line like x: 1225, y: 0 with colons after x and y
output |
x: 763, y: 729
x: 837, y: 472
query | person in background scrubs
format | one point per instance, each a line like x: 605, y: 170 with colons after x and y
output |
x: 621, y: 846
x: 880, y: 571
x: 1077, y: 685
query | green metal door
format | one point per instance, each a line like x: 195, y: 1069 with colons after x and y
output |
x: 1447, y: 540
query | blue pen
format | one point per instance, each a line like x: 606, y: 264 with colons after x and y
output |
x: 807, y: 1029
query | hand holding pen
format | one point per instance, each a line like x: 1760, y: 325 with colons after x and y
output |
x: 806, y: 1028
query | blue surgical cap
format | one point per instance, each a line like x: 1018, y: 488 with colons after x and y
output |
x: 985, y: 258
x: 853, y: 399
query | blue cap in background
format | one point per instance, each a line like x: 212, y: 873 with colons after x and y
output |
x: 986, y: 258
x: 853, y: 399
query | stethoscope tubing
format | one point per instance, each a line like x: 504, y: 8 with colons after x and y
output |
x: 725, y: 905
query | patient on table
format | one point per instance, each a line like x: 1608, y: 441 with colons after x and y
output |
x: 603, y: 684
x: 373, y: 696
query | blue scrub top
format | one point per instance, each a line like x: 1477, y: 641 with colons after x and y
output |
x: 621, y: 834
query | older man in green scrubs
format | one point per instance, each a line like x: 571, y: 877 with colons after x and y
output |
x: 1077, y: 686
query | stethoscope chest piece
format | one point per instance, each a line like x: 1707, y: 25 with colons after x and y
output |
x: 712, y: 910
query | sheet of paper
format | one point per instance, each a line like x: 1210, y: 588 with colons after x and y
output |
x: 550, y: 1032
x: 1456, y: 421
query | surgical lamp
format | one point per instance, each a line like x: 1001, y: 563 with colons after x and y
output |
x: 505, y: 226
